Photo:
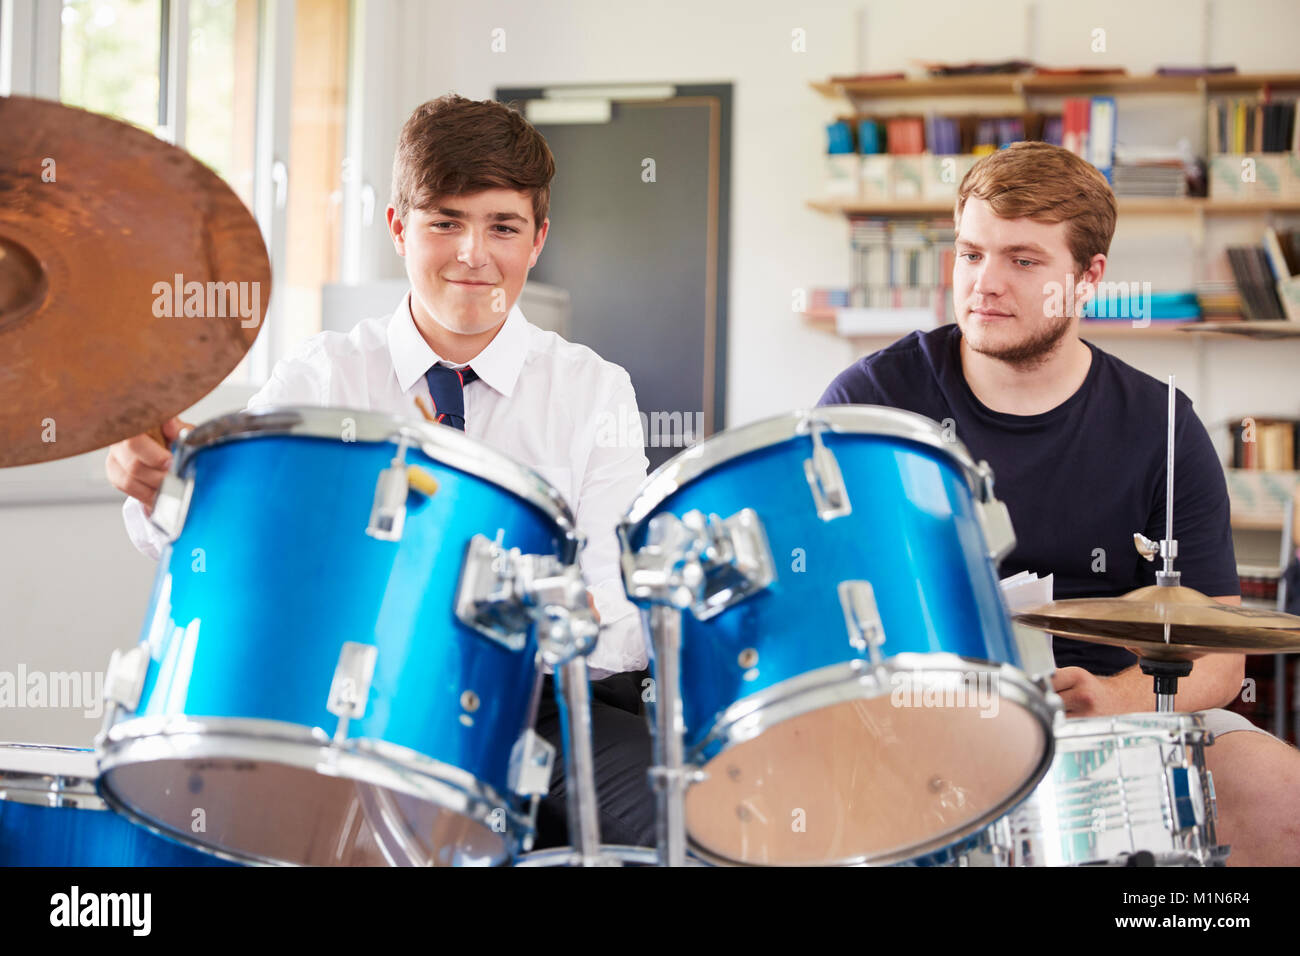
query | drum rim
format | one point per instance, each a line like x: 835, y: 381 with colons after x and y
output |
x: 64, y: 785
x: 569, y: 856
x: 1189, y: 724
x: 691, y: 463
x: 443, y: 444
x: 374, y: 762
x: 755, y: 714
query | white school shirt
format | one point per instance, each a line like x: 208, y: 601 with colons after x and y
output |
x: 539, y: 399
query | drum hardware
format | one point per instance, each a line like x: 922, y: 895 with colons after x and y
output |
x: 706, y: 564
x: 350, y: 688
x: 388, y: 513
x: 993, y: 515
x: 124, y: 682
x: 666, y: 569
x: 862, y: 617
x: 531, y: 761
x: 670, y: 775
x: 172, y: 505
x: 503, y: 592
x: 581, y: 808
x: 824, y: 476
x: 617, y: 855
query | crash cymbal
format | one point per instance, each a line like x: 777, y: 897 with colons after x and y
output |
x: 1197, y: 624
x: 132, y: 281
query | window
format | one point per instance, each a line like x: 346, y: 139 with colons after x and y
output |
x: 109, y: 55
x: 276, y: 136
x: 221, y: 90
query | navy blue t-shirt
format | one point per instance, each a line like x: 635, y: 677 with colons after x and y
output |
x: 1079, y: 480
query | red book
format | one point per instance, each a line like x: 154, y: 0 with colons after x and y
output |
x: 1075, y: 119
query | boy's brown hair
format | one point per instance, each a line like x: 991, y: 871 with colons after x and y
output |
x: 1046, y: 183
x: 452, y: 146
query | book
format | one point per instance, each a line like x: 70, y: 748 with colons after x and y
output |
x: 1101, y: 127
x: 1074, y: 136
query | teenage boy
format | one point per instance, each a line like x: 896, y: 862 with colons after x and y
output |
x: 471, y: 190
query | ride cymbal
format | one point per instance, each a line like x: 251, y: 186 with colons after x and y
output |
x: 1197, y: 624
x: 132, y: 281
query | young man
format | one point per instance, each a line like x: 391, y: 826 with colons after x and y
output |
x: 1077, y: 442
x: 471, y: 189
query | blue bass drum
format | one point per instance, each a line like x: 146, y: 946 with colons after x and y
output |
x: 50, y: 815
x: 318, y: 682
x: 849, y: 678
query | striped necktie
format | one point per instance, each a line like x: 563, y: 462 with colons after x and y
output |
x: 447, y: 389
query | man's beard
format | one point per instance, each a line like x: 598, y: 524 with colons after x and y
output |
x: 1032, y: 352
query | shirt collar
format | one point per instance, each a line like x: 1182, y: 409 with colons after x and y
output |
x: 499, y: 364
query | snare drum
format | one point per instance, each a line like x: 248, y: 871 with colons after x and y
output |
x: 848, y: 670
x: 50, y: 815
x: 339, y: 665
x: 1119, y: 785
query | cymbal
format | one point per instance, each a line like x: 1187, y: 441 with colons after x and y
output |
x: 1198, y: 625
x: 132, y: 281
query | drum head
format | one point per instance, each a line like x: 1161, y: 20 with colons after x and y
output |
x: 263, y: 812
x: 865, y: 780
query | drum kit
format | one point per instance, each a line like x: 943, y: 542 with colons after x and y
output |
x: 345, y: 646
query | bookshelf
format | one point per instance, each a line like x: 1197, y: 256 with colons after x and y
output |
x: 1131, y: 206
x: 824, y: 321
x: 865, y: 96
x: 1030, y: 84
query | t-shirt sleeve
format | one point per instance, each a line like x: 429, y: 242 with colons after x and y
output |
x: 1202, y: 515
x: 853, y: 386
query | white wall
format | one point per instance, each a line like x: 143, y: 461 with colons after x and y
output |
x: 778, y: 245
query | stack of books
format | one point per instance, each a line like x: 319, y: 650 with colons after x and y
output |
x: 1142, y: 180
x: 1218, y: 300
x: 1255, y: 283
x: 1150, y: 171
x: 1245, y: 126
x: 994, y: 132
x: 823, y: 300
x: 1265, y: 444
x: 902, y: 264
x: 1088, y: 130
x: 1268, y: 276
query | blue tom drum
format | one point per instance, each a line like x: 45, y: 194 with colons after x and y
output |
x: 848, y: 672
x: 340, y: 661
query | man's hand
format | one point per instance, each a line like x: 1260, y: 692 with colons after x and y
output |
x: 1084, y: 694
x: 136, y: 466
x: 1215, y: 680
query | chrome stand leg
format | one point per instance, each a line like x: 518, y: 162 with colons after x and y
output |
x: 669, y: 774
x: 574, y: 701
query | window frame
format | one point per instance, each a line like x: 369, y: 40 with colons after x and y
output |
x: 30, y: 52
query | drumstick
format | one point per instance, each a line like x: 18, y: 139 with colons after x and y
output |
x: 156, y: 433
x: 424, y: 410
x: 420, y: 480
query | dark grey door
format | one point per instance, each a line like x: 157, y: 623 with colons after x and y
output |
x: 638, y: 239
